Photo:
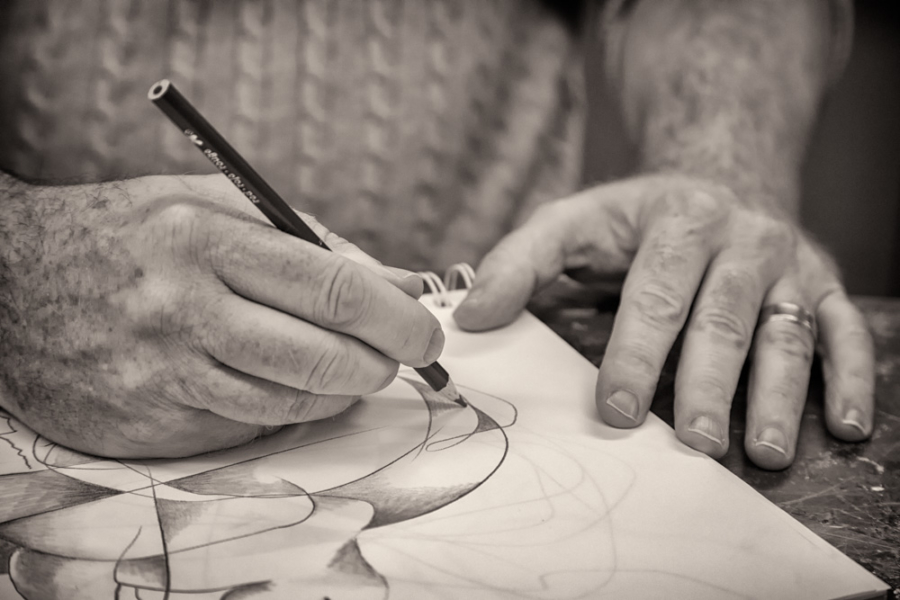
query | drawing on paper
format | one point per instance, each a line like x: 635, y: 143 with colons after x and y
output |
x: 277, y: 517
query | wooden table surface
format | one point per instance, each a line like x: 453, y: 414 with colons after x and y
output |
x: 849, y: 494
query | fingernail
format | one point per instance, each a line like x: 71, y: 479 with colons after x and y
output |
x: 395, y: 273
x: 708, y: 428
x: 854, y: 418
x: 774, y: 439
x: 413, y: 285
x: 467, y: 314
x: 434, y: 346
x: 401, y: 272
x: 473, y: 298
x: 385, y: 272
x: 625, y: 403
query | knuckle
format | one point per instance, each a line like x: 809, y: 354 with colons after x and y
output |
x: 664, y: 256
x: 659, y: 304
x: 723, y: 323
x: 771, y: 234
x: 791, y: 341
x: 732, y: 285
x: 546, y: 211
x: 702, y: 202
x: 181, y: 217
x: 179, y: 211
x: 184, y: 229
x: 698, y: 204
x: 343, y: 295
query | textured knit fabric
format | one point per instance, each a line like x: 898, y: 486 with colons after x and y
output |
x: 420, y: 129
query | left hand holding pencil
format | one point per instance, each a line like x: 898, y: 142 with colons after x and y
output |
x: 161, y: 316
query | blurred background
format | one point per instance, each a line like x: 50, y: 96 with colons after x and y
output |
x: 851, y: 183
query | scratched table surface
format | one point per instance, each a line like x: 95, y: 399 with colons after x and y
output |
x: 849, y: 494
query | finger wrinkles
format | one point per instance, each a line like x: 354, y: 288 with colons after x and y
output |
x: 708, y: 385
x: 637, y: 363
x: 724, y: 324
x: 671, y: 247
x: 297, y: 410
x: 791, y: 340
x: 343, y: 299
x: 310, y: 407
x: 658, y: 303
x: 274, y: 346
x: 331, y: 366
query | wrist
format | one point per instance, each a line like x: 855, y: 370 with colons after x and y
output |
x: 727, y: 92
x: 774, y: 191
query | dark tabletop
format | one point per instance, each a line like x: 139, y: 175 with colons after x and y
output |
x: 849, y: 494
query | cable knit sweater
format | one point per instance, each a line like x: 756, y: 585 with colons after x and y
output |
x: 420, y: 129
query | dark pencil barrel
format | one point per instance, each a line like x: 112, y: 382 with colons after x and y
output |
x: 220, y: 153
x: 435, y: 376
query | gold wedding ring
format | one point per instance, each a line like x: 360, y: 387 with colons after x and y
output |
x: 790, y: 312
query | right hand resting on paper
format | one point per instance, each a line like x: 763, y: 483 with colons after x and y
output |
x: 162, y: 316
x: 700, y: 262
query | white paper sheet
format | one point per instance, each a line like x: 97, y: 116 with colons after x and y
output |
x: 524, y: 494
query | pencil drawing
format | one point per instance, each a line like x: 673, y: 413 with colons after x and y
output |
x: 280, y: 517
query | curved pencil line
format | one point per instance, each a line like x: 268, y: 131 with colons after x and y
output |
x: 162, y: 536
x: 19, y: 451
x: 259, y: 532
x: 122, y: 555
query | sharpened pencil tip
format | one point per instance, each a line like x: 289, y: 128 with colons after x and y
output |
x: 452, y: 394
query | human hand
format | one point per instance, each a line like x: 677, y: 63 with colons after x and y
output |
x: 696, y: 259
x: 161, y: 316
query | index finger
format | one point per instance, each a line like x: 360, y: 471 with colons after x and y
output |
x: 218, y: 188
x: 656, y: 300
x: 577, y: 232
x: 324, y: 288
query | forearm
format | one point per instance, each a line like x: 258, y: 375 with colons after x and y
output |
x: 727, y: 91
x: 43, y: 233
x: 15, y: 218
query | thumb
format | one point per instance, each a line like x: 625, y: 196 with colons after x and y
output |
x: 593, y: 230
x: 523, y: 262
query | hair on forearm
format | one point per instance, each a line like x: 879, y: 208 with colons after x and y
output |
x: 726, y: 90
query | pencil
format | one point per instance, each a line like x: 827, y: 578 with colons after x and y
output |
x: 221, y: 154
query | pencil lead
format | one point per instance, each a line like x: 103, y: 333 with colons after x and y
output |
x: 451, y: 393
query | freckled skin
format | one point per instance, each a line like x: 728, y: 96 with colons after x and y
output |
x: 159, y: 317
x: 62, y: 342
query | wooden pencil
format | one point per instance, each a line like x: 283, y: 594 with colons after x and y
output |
x: 221, y: 154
